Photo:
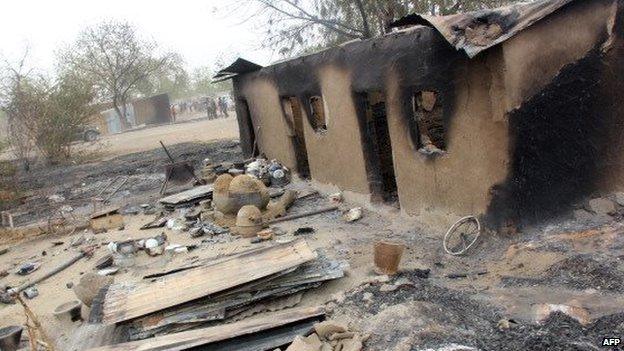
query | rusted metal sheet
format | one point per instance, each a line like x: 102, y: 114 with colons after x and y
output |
x: 476, y: 31
x: 122, y: 302
x: 194, y: 338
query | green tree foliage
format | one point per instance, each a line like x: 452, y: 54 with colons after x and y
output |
x: 203, y: 85
x: 172, y: 79
x: 43, y: 114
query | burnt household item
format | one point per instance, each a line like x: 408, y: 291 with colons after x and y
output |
x: 304, y: 214
x: 232, y: 193
x: 462, y: 235
x: 10, y: 337
x: 388, y: 256
x: 28, y: 268
x: 104, y: 262
x: 31, y: 292
x: 303, y: 230
x: 248, y: 221
x: 68, y: 311
x: 177, y: 173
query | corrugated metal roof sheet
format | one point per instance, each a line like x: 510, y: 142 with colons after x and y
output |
x: 476, y: 31
x: 237, y: 67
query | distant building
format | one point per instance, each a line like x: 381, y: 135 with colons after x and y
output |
x: 153, y: 110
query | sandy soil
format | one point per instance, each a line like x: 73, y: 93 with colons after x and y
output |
x: 203, y: 130
x: 197, y: 130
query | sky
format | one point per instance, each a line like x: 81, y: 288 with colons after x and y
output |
x: 202, y: 31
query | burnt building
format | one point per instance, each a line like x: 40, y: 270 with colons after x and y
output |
x: 514, y: 114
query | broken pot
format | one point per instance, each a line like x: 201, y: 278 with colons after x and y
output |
x: 68, y: 311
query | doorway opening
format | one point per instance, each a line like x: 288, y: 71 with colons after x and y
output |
x: 294, y: 118
x: 378, y: 147
x: 248, y: 134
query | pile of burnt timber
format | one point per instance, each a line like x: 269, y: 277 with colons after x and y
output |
x: 264, y: 332
x: 224, y: 290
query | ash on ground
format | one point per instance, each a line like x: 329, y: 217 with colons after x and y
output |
x: 412, y: 313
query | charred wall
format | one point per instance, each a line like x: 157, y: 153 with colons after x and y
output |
x: 423, y: 59
x: 559, y: 139
x: 566, y: 139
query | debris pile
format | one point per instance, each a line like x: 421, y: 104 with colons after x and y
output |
x: 328, y: 336
x: 226, y: 289
x: 270, y: 173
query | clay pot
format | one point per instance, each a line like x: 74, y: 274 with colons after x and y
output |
x: 388, y: 256
x: 69, y: 311
x: 248, y: 221
x: 248, y: 190
x: 10, y: 337
x: 220, y: 194
x: 231, y: 194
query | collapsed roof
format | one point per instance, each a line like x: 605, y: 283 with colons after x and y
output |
x: 476, y: 31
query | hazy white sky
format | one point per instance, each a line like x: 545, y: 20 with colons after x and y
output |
x: 189, y: 27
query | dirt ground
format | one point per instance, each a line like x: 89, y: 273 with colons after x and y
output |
x: 143, y: 139
x: 199, y: 130
x: 508, y: 283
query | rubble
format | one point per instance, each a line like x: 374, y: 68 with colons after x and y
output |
x: 89, y: 286
x: 223, y: 305
x: 190, y: 293
x: 328, y: 336
x: 601, y: 206
x: 105, y: 219
x: 353, y: 214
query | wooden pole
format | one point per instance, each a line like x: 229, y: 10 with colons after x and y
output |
x: 304, y: 214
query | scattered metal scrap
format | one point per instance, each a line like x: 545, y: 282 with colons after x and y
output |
x: 119, y: 303
x: 247, y: 298
x: 266, y: 332
x: 177, y: 172
x: 15, y: 291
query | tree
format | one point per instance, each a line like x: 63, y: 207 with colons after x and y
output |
x: 172, y: 78
x: 203, y: 85
x: 20, y: 94
x: 305, y: 25
x: 67, y: 110
x: 116, y: 60
x: 43, y: 114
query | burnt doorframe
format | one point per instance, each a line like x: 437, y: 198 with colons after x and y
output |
x: 298, y: 136
x: 383, y: 187
x: 247, y: 132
